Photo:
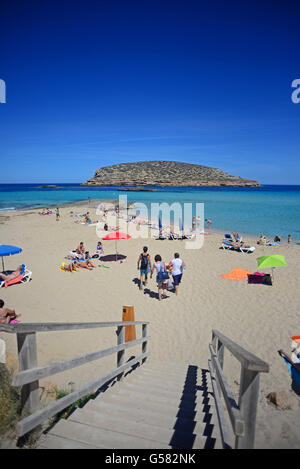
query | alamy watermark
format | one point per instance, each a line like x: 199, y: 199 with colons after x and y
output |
x: 296, y: 93
x: 2, y: 91
x: 159, y: 220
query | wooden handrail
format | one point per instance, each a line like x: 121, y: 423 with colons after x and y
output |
x: 62, y: 326
x: 243, y: 414
x: 29, y: 373
x: 247, y: 359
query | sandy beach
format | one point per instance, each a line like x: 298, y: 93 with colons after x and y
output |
x: 260, y: 318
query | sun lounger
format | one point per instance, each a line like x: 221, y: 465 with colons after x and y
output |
x: 25, y: 276
x: 228, y: 245
x: 248, y: 250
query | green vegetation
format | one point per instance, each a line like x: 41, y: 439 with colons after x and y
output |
x: 10, y: 401
x: 68, y: 410
x: 165, y: 173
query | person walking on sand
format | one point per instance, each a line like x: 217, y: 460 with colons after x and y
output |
x: 57, y: 214
x: 144, y: 265
x: 177, y: 268
x: 161, y: 276
x: 6, y: 314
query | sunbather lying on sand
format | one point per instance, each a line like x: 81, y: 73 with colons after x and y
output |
x: 87, y: 263
x: 70, y: 267
x: 6, y: 314
x: 11, y: 276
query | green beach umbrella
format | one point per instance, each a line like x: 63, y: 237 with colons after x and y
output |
x: 265, y: 262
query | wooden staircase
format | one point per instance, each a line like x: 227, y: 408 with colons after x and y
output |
x: 154, y: 406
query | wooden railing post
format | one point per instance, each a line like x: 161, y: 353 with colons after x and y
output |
x: 248, y: 398
x: 144, y: 345
x: 121, y: 354
x: 27, y: 352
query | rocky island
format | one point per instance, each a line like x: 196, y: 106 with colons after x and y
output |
x: 165, y: 173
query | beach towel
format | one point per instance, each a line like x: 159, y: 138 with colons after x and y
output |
x: 237, y: 274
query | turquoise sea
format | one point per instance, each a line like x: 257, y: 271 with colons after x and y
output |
x: 271, y: 210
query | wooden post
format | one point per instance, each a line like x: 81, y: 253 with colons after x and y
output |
x: 30, y: 399
x: 121, y: 354
x: 144, y: 345
x: 248, y: 398
x: 128, y: 315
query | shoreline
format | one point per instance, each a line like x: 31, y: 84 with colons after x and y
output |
x: 93, y: 203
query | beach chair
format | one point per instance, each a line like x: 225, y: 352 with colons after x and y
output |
x: 246, y: 250
x: 226, y: 244
x: 294, y: 372
x: 25, y: 276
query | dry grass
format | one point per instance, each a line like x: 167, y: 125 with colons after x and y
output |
x: 9, y: 401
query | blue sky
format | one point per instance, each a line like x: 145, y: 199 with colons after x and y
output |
x: 92, y: 83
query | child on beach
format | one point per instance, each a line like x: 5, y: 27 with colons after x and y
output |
x: 99, y: 249
x: 6, y: 314
x: 57, y: 214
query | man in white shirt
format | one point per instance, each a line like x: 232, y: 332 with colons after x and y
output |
x: 178, y: 266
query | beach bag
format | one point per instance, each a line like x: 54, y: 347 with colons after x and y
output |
x: 162, y: 274
x: 257, y: 277
x: 267, y: 280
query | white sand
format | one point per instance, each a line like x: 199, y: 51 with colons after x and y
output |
x: 260, y: 318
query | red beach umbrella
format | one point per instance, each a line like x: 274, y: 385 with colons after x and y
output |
x: 115, y: 236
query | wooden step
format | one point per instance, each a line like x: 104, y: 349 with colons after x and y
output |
x: 182, y: 394
x: 173, y: 438
x: 170, y: 401
x: 203, y: 413
x: 101, y: 438
x: 57, y: 442
x: 167, y: 381
x: 150, y: 417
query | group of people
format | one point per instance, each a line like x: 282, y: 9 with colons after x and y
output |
x: 83, y: 258
x: 146, y: 267
x: 263, y: 241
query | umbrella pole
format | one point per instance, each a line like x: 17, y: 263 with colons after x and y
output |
x: 2, y: 264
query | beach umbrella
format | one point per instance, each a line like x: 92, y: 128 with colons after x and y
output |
x: 181, y: 225
x: 115, y: 236
x: 7, y: 250
x: 265, y: 262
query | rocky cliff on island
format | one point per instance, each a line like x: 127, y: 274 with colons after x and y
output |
x: 165, y: 173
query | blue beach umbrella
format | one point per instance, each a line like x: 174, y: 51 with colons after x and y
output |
x: 7, y: 250
x: 159, y: 223
x: 180, y: 224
